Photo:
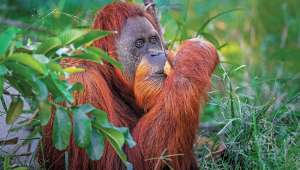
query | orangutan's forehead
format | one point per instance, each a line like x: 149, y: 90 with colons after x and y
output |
x: 139, y: 26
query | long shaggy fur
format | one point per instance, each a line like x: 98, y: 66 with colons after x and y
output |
x: 162, y: 117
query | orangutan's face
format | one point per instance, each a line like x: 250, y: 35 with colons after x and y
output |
x: 139, y: 45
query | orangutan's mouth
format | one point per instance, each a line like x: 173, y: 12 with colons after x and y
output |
x: 159, y: 74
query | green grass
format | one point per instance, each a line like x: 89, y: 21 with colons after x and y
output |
x: 259, y: 122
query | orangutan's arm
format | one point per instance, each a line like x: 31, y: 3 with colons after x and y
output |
x: 170, y: 126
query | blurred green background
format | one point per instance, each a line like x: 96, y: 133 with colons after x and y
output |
x: 254, y: 101
x: 259, y: 31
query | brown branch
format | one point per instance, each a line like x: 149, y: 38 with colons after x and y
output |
x: 11, y: 141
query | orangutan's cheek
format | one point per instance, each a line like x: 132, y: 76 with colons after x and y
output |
x: 147, y: 85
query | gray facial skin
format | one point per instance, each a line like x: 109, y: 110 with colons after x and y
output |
x: 139, y: 42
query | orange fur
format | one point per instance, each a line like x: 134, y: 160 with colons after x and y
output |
x: 172, y: 122
x: 162, y: 116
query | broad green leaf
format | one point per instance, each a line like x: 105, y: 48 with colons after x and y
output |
x: 15, y: 109
x: 96, y: 147
x: 44, y: 113
x: 25, y: 74
x: 109, y: 59
x: 28, y: 60
x: 6, y: 37
x: 61, y: 129
x: 91, y: 36
x: 128, y: 138
x: 54, y: 67
x: 105, y: 56
x: 88, y: 56
x: 116, y: 139
x: 100, y: 118
x: 59, y: 88
x: 42, y: 93
x: 86, y: 108
x: 20, y: 87
x: 70, y: 36
x: 48, y: 45
x: 76, y: 87
x: 54, y: 90
x: 82, y: 126
x: 116, y: 136
x: 41, y: 58
x: 118, y: 149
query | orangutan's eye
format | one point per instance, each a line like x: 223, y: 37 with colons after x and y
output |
x: 153, y: 39
x: 139, y: 43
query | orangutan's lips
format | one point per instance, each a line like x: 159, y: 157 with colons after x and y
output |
x: 159, y: 74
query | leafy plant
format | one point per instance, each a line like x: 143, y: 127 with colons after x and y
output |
x: 34, y: 71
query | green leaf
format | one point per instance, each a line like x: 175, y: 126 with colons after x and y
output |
x: 96, y: 147
x: 86, y: 108
x: 20, y: 86
x: 239, y: 68
x: 82, y: 125
x: 54, y: 67
x: 41, y: 58
x: 116, y: 136
x: 42, y: 93
x: 74, y: 69
x: 15, y: 109
x: 3, y: 71
x: 20, y: 168
x: 91, y: 36
x: 1, y: 85
x: 26, y: 75
x: 88, y: 56
x: 100, y: 118
x: 116, y: 139
x: 44, y: 113
x: 28, y: 60
x: 6, y: 163
x: 6, y: 37
x: 59, y: 88
x: 70, y: 36
x: 128, y: 138
x: 211, y: 38
x: 76, y: 87
x: 105, y: 56
x: 129, y: 166
x: 48, y: 45
x: 61, y: 129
